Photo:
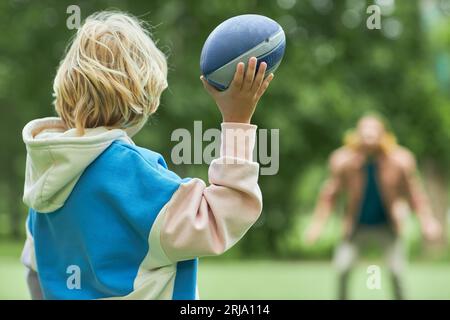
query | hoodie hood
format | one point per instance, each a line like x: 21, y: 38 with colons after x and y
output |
x: 56, y: 159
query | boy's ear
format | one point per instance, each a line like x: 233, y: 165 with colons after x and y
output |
x: 133, y: 130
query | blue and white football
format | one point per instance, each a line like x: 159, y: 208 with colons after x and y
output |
x: 237, y: 40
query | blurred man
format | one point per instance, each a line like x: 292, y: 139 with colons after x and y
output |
x: 375, y: 174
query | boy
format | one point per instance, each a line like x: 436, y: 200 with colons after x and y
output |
x: 107, y: 218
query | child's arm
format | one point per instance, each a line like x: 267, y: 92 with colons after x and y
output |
x: 29, y: 260
x: 201, y: 220
x: 33, y: 285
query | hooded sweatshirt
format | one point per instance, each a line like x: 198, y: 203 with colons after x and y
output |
x: 109, y: 220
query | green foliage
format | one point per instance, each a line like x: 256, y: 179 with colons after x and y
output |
x: 331, y: 75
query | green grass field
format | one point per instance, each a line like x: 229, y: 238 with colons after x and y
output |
x: 269, y: 280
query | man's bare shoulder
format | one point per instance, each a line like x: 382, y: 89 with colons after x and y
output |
x: 404, y: 158
x: 342, y: 158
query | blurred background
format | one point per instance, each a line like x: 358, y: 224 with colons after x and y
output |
x: 335, y: 69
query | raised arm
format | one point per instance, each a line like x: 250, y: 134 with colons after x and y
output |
x: 203, y: 220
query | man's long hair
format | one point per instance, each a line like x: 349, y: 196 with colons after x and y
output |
x: 388, y: 141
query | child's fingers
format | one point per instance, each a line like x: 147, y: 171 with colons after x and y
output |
x: 238, y: 76
x: 250, y: 74
x: 259, y: 77
x: 211, y: 90
x: 264, y: 85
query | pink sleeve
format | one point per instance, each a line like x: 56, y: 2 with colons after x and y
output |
x: 203, y: 220
x: 27, y: 257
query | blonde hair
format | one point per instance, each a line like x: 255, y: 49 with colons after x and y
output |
x: 388, y: 140
x: 112, y: 75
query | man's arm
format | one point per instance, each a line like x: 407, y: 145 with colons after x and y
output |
x: 419, y: 201
x: 326, y: 202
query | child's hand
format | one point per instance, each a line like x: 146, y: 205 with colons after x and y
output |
x: 238, y: 102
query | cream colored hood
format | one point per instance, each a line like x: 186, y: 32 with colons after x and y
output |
x: 56, y: 158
